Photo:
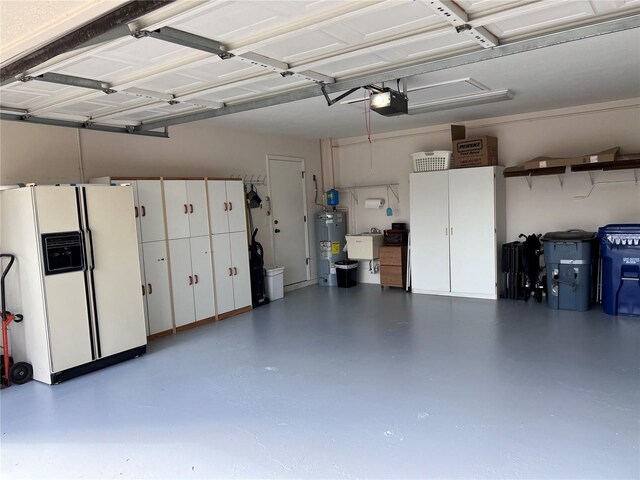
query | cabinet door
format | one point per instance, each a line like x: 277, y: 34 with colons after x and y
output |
x: 240, y: 265
x: 156, y: 272
x: 218, y: 206
x: 136, y: 205
x: 223, y: 272
x: 150, y: 210
x: 182, y: 281
x: 237, y: 210
x: 143, y: 287
x: 472, y: 220
x: 202, y: 277
x: 177, y: 206
x: 429, y: 220
x: 197, y: 198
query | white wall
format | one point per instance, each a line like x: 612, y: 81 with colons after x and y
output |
x: 45, y: 155
x: 548, y: 205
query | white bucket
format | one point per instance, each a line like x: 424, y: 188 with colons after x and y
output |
x: 275, y: 282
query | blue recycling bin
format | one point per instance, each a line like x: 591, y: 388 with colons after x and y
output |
x: 568, y: 256
x: 620, y: 251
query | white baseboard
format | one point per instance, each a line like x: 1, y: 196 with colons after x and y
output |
x: 482, y: 296
x: 296, y: 286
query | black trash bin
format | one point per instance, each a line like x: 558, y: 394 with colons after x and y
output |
x: 347, y: 273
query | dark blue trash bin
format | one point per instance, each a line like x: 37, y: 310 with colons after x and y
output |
x: 620, y: 251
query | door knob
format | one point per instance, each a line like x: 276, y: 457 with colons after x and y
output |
x: 277, y: 230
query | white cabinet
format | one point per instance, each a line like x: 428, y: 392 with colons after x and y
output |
x: 203, y: 296
x: 191, y: 278
x: 186, y: 207
x: 157, y: 291
x: 143, y: 286
x: 231, y: 259
x: 150, y: 211
x: 457, y: 222
x: 226, y: 206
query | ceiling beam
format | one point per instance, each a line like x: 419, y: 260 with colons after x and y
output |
x: 75, y: 39
x: 83, y: 125
x: 197, y: 42
x: 71, y: 81
x: 186, y: 39
x: 522, y: 46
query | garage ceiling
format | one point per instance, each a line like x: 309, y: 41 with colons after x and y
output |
x: 272, y: 52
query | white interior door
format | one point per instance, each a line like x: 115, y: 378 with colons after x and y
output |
x: 197, y: 198
x: 182, y: 281
x: 202, y: 277
x: 177, y: 206
x: 472, y: 220
x: 151, y: 212
x: 156, y: 272
x: 289, y: 213
x: 120, y: 323
x: 429, y: 221
x: 223, y: 272
x: 241, y: 274
x: 237, y: 206
x: 218, y: 206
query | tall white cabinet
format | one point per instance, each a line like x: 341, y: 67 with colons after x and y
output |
x: 457, y: 228
x: 154, y: 259
x: 229, y: 240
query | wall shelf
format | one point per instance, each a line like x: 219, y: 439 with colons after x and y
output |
x: 622, y: 162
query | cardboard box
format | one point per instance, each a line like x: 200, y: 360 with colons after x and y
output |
x: 472, y: 152
x: 551, y: 162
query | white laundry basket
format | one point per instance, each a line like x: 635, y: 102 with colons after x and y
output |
x: 275, y: 282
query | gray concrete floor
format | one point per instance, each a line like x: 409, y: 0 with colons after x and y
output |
x: 349, y: 383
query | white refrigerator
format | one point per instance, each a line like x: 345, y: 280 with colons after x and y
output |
x: 78, y: 282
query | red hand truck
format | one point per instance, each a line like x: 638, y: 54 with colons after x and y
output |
x: 20, y: 372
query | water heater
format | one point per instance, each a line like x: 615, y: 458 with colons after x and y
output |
x: 330, y: 232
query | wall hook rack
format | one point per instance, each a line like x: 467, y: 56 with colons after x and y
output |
x: 258, y: 180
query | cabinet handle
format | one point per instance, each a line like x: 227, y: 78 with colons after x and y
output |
x: 226, y: 206
x: 186, y: 210
x: 149, y: 288
x: 135, y: 209
x: 446, y: 232
x: 190, y: 280
x: 230, y: 206
x: 195, y: 276
x: 235, y: 271
x: 230, y: 271
x: 144, y: 211
x: 144, y: 292
x: 191, y: 208
x: 452, y: 231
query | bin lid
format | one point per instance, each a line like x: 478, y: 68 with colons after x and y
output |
x: 274, y: 270
x: 574, y: 235
x: 620, y: 234
x: 631, y: 228
x: 347, y: 264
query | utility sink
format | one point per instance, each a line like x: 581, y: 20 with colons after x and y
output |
x: 364, y: 246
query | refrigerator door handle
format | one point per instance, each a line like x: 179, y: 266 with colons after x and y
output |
x: 92, y: 266
x: 89, y: 274
x: 87, y: 290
